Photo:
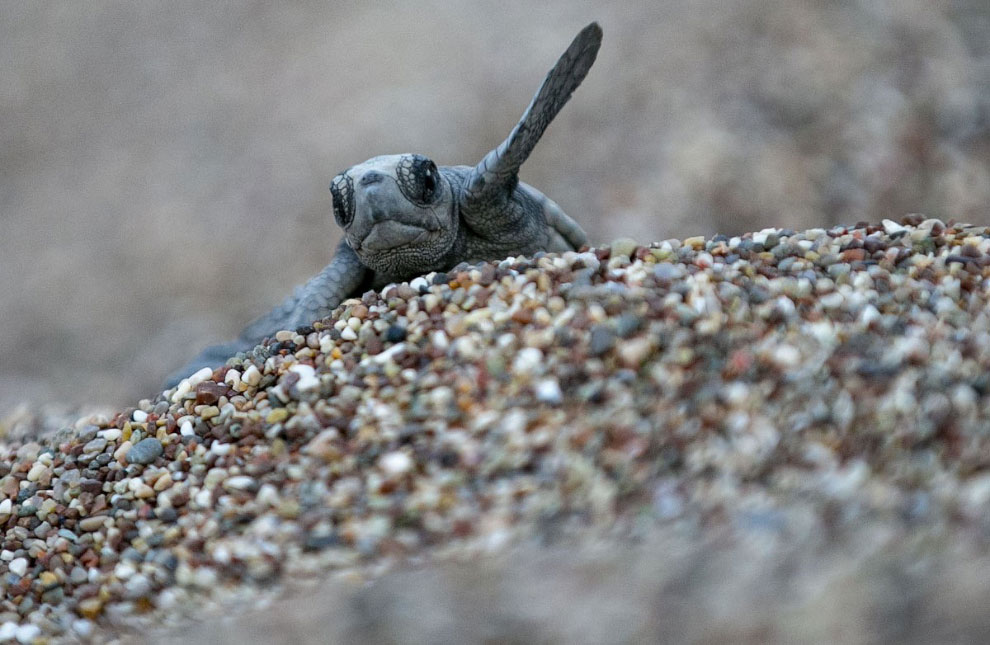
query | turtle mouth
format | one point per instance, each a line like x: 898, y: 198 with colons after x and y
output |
x: 384, y: 236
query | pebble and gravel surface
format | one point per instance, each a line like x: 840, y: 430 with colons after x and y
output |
x: 715, y: 383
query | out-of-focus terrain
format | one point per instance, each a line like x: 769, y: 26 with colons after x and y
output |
x: 164, y: 167
x: 877, y: 584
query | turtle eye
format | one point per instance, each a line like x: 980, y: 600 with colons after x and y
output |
x: 418, y: 179
x: 342, y: 190
x: 431, y: 183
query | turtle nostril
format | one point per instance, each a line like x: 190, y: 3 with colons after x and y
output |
x: 371, y: 177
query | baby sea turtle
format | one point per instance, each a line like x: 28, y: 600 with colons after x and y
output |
x: 404, y: 216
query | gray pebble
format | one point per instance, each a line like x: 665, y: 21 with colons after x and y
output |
x: 627, y: 325
x: 145, y: 451
x: 95, y: 446
x: 602, y: 340
x: 667, y: 272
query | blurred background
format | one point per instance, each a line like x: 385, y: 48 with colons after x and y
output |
x: 164, y: 167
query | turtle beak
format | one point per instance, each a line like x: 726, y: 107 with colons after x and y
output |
x: 390, y: 234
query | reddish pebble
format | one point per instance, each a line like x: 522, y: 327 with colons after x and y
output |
x: 207, y: 393
x: 524, y: 316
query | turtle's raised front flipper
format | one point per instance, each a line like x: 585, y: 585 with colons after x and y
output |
x: 342, y: 278
x: 495, y: 176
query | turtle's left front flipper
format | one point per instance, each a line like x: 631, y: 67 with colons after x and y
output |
x: 344, y: 277
x: 494, y: 177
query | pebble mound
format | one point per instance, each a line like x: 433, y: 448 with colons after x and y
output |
x: 710, y: 381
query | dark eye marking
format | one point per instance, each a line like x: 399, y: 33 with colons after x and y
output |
x: 342, y: 189
x: 418, y: 179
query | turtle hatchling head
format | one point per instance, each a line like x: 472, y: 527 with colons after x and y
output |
x: 397, y: 213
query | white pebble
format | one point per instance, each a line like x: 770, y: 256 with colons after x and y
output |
x: 869, y: 315
x: 110, y: 434
x: 251, y: 376
x: 832, y: 300
x: 200, y: 376
x: 419, y: 283
x: 203, y: 498
x: 83, y: 627
x: 27, y: 633
x: 36, y: 471
x: 239, y: 482
x: 548, y: 391
x: 527, y: 360
x: 307, y: 377
x: 140, y: 416
x: 395, y: 464
x: 439, y: 340
x: 389, y: 353
x: 6, y: 507
x: 892, y: 227
x: 348, y: 334
x: 8, y: 630
x: 205, y: 578
x: 232, y: 378
x: 181, y: 391
x: 186, y: 428
x: 268, y: 495
x: 140, y: 489
x: 124, y: 570
x: 326, y: 344
x: 786, y: 356
x: 220, y: 449
x: 18, y: 566
x: 466, y: 348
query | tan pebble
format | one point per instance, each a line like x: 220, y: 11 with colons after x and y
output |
x: 284, y: 335
x: 90, y: 608
x: 36, y: 471
x: 209, y: 411
x: 625, y: 246
x: 633, y: 352
x: 122, y: 450
x: 277, y: 415
x: 93, y: 523
x: 251, y: 376
x: 140, y: 489
x: 47, y: 579
x: 163, y: 482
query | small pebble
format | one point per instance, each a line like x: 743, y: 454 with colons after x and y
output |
x: 145, y: 451
x: 395, y: 464
x: 18, y: 566
x: 548, y: 391
x: 602, y: 340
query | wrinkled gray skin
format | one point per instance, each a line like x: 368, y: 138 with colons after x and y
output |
x: 403, y: 216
